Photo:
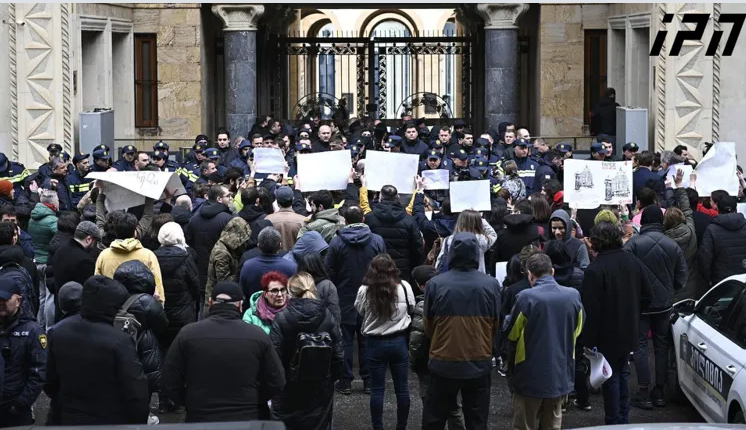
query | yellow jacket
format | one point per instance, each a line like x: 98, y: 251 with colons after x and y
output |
x: 125, y: 250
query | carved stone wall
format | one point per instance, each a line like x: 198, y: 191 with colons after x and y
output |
x: 729, y: 90
x: 41, y: 87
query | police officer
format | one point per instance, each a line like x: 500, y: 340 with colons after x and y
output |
x: 190, y: 171
x: 163, y: 160
x: 58, y: 182
x: 15, y: 173
x: 126, y: 162
x: 23, y: 346
x: 462, y: 171
x: 242, y: 161
x: 214, y: 155
x: 76, y: 179
x: 629, y: 151
x: 54, y: 150
x: 101, y: 159
x: 565, y: 149
x: 393, y: 144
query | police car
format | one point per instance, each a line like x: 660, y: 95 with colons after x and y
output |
x: 709, y: 354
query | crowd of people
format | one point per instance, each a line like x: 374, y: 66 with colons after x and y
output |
x: 243, y: 299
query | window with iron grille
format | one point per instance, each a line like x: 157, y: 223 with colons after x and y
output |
x: 146, y: 81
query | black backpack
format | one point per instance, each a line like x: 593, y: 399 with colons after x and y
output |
x: 29, y: 291
x: 127, y: 322
x: 313, y: 356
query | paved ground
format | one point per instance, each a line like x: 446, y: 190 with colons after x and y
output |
x: 352, y: 412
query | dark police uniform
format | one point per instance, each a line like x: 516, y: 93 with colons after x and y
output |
x: 15, y: 173
x: 123, y: 165
x: 160, y: 150
x: 77, y: 183
x: 100, y: 152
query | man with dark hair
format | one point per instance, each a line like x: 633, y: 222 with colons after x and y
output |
x: 325, y: 218
x: 11, y: 253
x: 270, y: 244
x: 58, y: 182
x: 126, y: 162
x: 9, y: 214
x: 603, y: 116
x: 227, y: 153
x: 546, y: 321
x: 520, y: 230
x: 127, y: 247
x: 722, y: 252
x: 350, y: 252
x: 460, y: 352
x: 412, y: 144
x: 644, y: 174
x: 667, y: 272
x: 205, y: 227
x: 549, y: 167
x: 399, y: 231
x: 616, y: 291
x: 252, y: 210
x: 701, y: 219
x: 73, y: 261
x: 285, y: 220
x: 142, y: 160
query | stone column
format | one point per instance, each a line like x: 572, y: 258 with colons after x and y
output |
x: 239, y: 32
x: 501, y: 61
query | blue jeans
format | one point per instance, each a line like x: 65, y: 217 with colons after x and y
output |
x: 349, y: 332
x: 616, y: 393
x: 391, y: 352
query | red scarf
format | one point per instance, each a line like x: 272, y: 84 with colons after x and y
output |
x: 704, y: 210
x: 50, y: 207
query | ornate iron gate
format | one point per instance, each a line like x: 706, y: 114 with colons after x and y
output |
x: 379, y: 77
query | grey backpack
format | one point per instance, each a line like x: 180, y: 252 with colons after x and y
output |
x: 127, y: 322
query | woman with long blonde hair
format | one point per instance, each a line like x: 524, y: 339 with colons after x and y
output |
x: 472, y: 222
x: 306, y: 321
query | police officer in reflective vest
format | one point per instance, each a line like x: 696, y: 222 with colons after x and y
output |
x: 15, y: 173
x: 126, y: 162
x: 23, y: 346
x: 101, y: 159
x: 76, y: 180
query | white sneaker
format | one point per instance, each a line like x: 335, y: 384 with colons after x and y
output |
x: 153, y: 420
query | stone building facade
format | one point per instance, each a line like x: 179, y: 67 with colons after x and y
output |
x: 172, y: 71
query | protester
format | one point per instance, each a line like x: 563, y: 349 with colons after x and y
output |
x: 386, y: 303
x: 520, y: 230
x: 678, y: 224
x: 249, y: 372
x: 310, y: 369
x: 43, y: 224
x: 73, y: 261
x: 264, y: 305
x: 561, y: 229
x: 226, y: 255
x: 94, y: 376
x: 310, y: 243
x: 325, y: 218
x: 313, y: 264
x: 285, y: 220
x: 469, y: 221
x: 721, y: 253
x: 546, y: 321
x: 270, y: 243
x: 460, y: 353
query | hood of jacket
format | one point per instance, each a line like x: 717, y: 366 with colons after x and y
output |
x: 258, y: 227
x: 40, y: 211
x: 565, y: 218
x: 464, y: 252
x: 70, y: 296
x: 181, y: 215
x: 235, y: 234
x: 251, y: 213
x: 170, y: 258
x: 102, y: 298
x: 11, y: 254
x: 136, y: 277
x: 563, y: 273
x: 679, y: 233
x: 310, y: 243
x: 389, y: 212
x: 330, y: 215
x: 444, y: 224
x: 125, y: 245
x: 518, y: 222
x: 357, y: 235
x: 210, y: 209
x: 309, y: 313
x: 731, y: 222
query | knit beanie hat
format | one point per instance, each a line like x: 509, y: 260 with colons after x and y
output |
x: 171, y: 234
x: 606, y: 215
x: 651, y: 215
x: 5, y: 187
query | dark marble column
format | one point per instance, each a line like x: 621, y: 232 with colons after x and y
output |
x: 501, y: 96
x: 239, y: 34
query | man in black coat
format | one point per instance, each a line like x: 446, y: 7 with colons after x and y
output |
x: 603, y: 116
x: 204, y: 230
x: 520, y: 230
x: 222, y: 369
x: 722, y: 252
x: 73, y: 261
x: 667, y: 272
x: 93, y: 374
x: 615, y: 292
x: 350, y: 252
x: 399, y: 231
x: 11, y: 252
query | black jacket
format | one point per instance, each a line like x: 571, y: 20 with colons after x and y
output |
x: 701, y: 222
x: 25, y: 366
x: 569, y: 276
x: 722, y: 251
x: 222, y: 369
x: 180, y: 285
x: 74, y: 263
x: 181, y: 216
x: 14, y: 254
x: 295, y: 407
x: 400, y: 234
x: 520, y: 230
x: 59, y: 239
x: 203, y: 232
x: 615, y: 292
x: 94, y: 376
x: 665, y: 263
x: 347, y: 260
x: 603, y: 117
x: 138, y: 279
x: 251, y: 214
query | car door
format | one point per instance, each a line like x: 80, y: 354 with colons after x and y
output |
x: 708, y: 350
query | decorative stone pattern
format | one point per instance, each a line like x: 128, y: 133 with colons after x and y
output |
x: 501, y: 15
x: 67, y: 115
x: 716, y: 78
x: 660, y: 85
x: 239, y: 17
x: 13, y: 81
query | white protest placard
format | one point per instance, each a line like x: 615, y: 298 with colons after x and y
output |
x: 391, y: 168
x: 591, y: 183
x: 436, y: 179
x: 125, y: 190
x: 741, y: 208
x: 269, y: 160
x: 470, y: 195
x: 686, y: 168
x: 324, y: 170
x: 501, y: 272
x: 717, y: 170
